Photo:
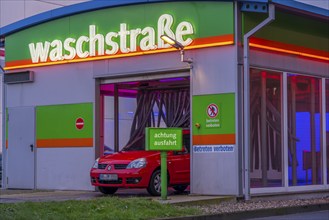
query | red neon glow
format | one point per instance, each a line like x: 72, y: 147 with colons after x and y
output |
x: 289, y: 49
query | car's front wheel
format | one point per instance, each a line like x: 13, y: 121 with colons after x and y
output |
x: 154, y: 187
x: 107, y: 190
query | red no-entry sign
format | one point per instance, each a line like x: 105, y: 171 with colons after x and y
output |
x: 79, y: 123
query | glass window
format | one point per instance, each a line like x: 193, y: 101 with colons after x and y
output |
x: 266, y: 129
x: 304, y: 140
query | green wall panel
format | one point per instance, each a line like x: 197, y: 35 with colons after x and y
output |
x: 58, y: 121
x: 222, y: 123
x: 291, y: 29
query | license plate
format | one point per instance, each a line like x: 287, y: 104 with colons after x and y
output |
x: 108, y: 177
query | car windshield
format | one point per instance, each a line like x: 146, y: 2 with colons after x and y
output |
x: 135, y: 145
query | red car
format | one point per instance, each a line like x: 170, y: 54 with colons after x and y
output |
x: 141, y: 169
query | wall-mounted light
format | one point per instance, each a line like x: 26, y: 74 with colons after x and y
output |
x: 178, y: 46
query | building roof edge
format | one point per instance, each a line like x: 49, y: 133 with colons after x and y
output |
x: 97, y: 4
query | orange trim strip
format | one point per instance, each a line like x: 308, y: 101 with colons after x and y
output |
x: 65, y: 142
x: 197, y: 43
x: 6, y: 144
x: 214, y: 39
x: 289, y: 48
x: 214, y: 139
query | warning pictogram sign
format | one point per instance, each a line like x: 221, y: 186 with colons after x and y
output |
x: 79, y: 123
x: 212, y: 110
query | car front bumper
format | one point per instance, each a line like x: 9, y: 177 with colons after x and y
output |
x: 128, y: 178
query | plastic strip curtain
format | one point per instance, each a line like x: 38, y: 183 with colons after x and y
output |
x: 173, y: 110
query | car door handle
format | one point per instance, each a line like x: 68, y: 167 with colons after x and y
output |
x: 31, y: 146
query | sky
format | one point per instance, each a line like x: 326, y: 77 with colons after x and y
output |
x: 318, y: 3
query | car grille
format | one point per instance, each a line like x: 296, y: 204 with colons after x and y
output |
x: 120, y: 166
x: 102, y: 166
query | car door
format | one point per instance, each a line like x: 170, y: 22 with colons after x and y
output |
x: 179, y: 163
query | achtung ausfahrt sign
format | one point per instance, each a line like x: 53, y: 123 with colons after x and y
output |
x: 164, y: 139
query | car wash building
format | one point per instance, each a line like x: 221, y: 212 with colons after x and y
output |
x: 250, y: 79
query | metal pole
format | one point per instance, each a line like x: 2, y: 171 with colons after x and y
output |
x: 4, y: 149
x: 164, y: 183
x: 246, y: 103
x: 116, y: 119
x: 264, y: 145
x: 284, y: 127
x: 313, y: 132
x: 182, y: 55
x: 246, y: 121
x: 191, y: 128
x: 324, y: 129
x: 293, y: 130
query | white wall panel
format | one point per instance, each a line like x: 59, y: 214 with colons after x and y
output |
x: 288, y: 63
x: 137, y: 64
x: 214, y: 174
x: 59, y: 168
x: 64, y: 168
x: 59, y: 84
x: 214, y: 72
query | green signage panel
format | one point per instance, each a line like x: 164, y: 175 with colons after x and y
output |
x: 121, y: 31
x: 291, y: 29
x: 64, y: 121
x: 164, y: 139
x: 213, y: 114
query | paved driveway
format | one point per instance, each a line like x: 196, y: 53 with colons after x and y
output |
x: 14, y: 196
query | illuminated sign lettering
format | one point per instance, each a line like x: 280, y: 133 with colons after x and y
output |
x: 97, y: 44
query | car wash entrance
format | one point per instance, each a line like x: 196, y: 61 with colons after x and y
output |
x: 131, y: 104
x: 127, y: 107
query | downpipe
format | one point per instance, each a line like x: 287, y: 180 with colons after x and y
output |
x: 4, y: 153
x: 246, y: 103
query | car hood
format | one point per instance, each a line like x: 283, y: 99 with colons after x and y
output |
x: 127, y: 156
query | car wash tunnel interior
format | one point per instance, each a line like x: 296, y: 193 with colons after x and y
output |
x: 127, y: 108
x: 304, y: 129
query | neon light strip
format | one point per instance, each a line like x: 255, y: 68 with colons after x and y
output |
x: 289, y: 51
x: 118, y: 55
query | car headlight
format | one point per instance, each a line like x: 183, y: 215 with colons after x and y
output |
x: 138, y: 163
x: 95, y: 166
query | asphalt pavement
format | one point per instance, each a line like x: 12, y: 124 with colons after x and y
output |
x: 14, y: 196
x: 319, y: 215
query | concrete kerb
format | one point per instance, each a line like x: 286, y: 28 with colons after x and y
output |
x: 5, y: 192
x: 15, y: 196
x: 195, y: 200
x: 255, y: 213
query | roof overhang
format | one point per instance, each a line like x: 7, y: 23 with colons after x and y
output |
x: 289, y: 5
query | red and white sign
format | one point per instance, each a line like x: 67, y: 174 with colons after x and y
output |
x: 212, y: 110
x: 79, y: 123
x: 2, y: 54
